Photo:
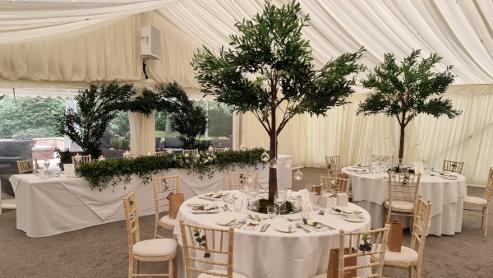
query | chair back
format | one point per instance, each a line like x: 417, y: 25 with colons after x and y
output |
x: 335, y: 184
x: 238, y: 179
x: 163, y: 186
x: 219, y: 150
x: 333, y: 164
x: 160, y: 153
x: 421, y: 224
x: 25, y: 166
x: 189, y: 152
x: 132, y: 221
x: 127, y: 155
x: 368, y: 245
x: 78, y: 160
x: 403, y: 187
x: 453, y: 166
x: 207, y: 250
x: 389, y: 159
x: 488, y: 191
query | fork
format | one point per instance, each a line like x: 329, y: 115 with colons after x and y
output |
x: 298, y: 225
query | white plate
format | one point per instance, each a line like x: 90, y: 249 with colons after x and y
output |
x: 354, y: 219
x: 284, y: 228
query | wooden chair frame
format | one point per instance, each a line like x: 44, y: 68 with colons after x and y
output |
x: 453, y: 166
x: 83, y: 159
x: 219, y: 150
x: 25, y: 166
x: 350, y: 242
x: 421, y: 224
x: 335, y: 184
x: 333, y: 164
x: 127, y: 155
x: 214, y: 245
x: 162, y: 186
x: 133, y: 236
x: 192, y: 151
x: 160, y: 153
x: 406, y: 184
x: 482, y: 209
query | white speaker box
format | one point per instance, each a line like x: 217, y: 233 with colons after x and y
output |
x: 150, y: 43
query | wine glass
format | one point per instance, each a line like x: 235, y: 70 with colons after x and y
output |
x: 280, y: 199
x: 46, y: 165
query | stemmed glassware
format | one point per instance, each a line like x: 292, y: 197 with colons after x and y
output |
x: 280, y: 199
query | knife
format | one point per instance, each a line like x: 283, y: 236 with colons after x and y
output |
x: 266, y: 227
x: 298, y: 225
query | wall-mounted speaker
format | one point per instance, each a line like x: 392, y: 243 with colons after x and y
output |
x: 150, y: 43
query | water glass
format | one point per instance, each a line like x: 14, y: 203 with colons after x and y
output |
x: 238, y: 204
x: 271, y: 211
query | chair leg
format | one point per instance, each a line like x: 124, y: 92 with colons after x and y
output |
x: 130, y: 267
x: 170, y: 269
x: 410, y: 271
x: 137, y: 264
x: 485, y: 221
x: 417, y: 269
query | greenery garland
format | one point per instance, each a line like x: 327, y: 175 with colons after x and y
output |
x: 101, y: 173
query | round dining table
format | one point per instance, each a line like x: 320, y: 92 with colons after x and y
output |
x: 271, y: 253
x: 446, y: 193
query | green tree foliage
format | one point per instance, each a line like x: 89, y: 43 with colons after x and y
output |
x: 97, y: 106
x: 220, y: 123
x: 408, y: 88
x: 188, y: 119
x: 268, y: 69
x: 27, y: 117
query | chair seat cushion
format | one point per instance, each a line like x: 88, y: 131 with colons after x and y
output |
x: 403, y: 206
x: 155, y: 247
x: 475, y: 200
x: 407, y: 255
x: 168, y: 222
x: 235, y: 275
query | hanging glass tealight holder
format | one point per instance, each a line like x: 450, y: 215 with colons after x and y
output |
x: 298, y: 175
x: 264, y: 156
x: 273, y: 163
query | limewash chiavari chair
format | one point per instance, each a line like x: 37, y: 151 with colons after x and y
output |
x: 333, y: 164
x: 210, y: 257
x: 160, y: 153
x: 127, y: 155
x: 453, y: 166
x: 219, y: 150
x: 349, y: 243
x: 25, y: 166
x: 237, y: 179
x: 482, y: 203
x: 190, y: 152
x: 403, y: 194
x: 163, y: 186
x: 335, y: 184
x: 78, y: 160
x: 412, y: 256
x: 150, y: 250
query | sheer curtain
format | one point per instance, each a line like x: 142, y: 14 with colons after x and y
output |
x: 468, y: 138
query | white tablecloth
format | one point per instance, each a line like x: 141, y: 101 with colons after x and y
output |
x: 48, y: 206
x: 370, y: 191
x: 274, y: 254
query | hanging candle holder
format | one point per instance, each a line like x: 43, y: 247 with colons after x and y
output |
x: 273, y: 163
x: 264, y: 156
x: 298, y: 175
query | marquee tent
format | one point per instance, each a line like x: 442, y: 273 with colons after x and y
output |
x: 52, y: 44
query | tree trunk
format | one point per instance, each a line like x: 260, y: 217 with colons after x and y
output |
x: 401, y: 144
x: 272, y: 171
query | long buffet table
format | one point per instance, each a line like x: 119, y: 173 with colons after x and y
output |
x: 53, y: 205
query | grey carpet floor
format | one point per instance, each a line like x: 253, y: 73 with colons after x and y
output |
x: 101, y: 251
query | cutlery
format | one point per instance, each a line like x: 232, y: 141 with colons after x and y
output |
x: 298, y: 225
x: 207, y: 198
x: 226, y: 208
x: 266, y: 227
x: 205, y: 212
x: 240, y: 224
x: 327, y: 226
x: 230, y: 222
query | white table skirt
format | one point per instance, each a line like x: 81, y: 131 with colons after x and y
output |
x: 49, y: 206
x: 274, y: 254
x: 371, y: 190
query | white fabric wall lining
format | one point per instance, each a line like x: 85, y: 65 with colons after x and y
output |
x: 467, y: 138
